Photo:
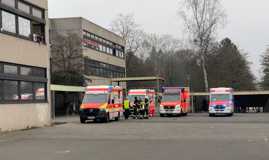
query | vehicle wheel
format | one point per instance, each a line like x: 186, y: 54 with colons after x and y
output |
x: 185, y: 114
x: 181, y: 113
x: 107, y: 118
x: 118, y: 118
x: 82, y: 120
x: 231, y: 114
x: 161, y: 115
x: 211, y: 115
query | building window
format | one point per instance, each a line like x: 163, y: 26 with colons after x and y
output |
x: 100, y: 44
x: 28, y: 86
x: 38, y: 72
x: 1, y: 90
x: 10, y: 69
x: 39, y: 90
x: 26, y: 71
x: 23, y: 24
x: 10, y: 90
x: 95, y: 68
x: 10, y: 3
x: 37, y: 13
x: 26, y: 91
x: 24, y: 7
x: 38, y: 31
x: 1, y: 68
x: 8, y: 22
x: 24, y: 27
x: 31, y: 71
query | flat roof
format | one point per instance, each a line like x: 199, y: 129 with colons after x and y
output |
x: 85, y: 19
x: 237, y: 93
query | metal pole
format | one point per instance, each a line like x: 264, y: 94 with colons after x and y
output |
x: 53, y: 105
x: 192, y: 105
x: 158, y: 90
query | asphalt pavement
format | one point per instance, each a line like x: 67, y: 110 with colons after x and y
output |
x: 197, y: 136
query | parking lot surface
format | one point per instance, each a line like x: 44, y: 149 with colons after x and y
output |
x: 197, y: 136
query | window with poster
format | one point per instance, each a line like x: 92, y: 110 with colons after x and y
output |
x: 22, y: 84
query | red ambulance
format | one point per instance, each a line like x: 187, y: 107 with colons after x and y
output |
x: 175, y: 101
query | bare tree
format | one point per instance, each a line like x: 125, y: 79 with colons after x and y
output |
x: 66, y: 52
x: 126, y: 27
x: 166, y: 43
x: 202, y: 19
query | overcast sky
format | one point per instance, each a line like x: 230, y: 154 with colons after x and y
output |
x: 247, y: 20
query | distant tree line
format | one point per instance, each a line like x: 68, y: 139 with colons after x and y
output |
x: 223, y: 64
x: 226, y: 66
x: 265, y: 69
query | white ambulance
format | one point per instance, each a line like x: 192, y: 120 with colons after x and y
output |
x: 221, y: 101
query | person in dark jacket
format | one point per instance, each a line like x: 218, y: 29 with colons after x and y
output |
x: 146, y: 108
x: 136, y: 107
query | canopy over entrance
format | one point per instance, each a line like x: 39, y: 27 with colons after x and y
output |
x: 63, y: 88
x: 128, y: 79
x: 140, y: 82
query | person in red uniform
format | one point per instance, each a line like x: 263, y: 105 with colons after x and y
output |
x: 184, y: 97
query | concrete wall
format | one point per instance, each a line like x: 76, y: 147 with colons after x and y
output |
x: 98, y: 80
x: 102, y: 57
x: 20, y: 51
x: 39, y: 3
x: 25, y: 52
x: 23, y: 116
x: 103, y: 81
x: 100, y: 31
x: 64, y: 26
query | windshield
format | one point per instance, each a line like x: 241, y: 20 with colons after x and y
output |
x: 170, y: 97
x: 139, y: 97
x: 220, y: 97
x: 95, y: 98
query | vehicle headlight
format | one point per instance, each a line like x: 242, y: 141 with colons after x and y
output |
x: 82, y: 106
x: 229, y: 107
x: 178, y: 107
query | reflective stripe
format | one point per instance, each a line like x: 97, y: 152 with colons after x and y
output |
x: 126, y: 104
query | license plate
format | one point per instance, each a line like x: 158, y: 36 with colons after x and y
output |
x: 91, y: 117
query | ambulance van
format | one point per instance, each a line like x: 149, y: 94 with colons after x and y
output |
x: 102, y: 103
x: 141, y: 94
x: 221, y: 102
x: 175, y: 101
